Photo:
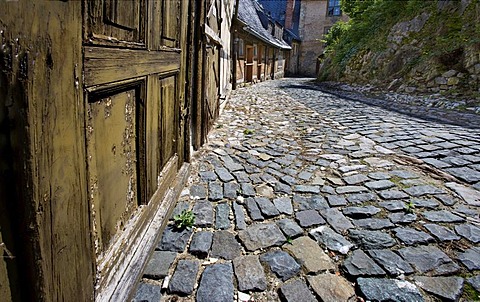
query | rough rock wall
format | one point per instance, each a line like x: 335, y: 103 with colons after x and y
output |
x: 411, y: 62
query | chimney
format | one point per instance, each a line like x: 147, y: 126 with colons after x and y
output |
x: 289, y: 14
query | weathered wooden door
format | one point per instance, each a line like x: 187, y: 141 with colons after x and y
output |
x: 135, y: 120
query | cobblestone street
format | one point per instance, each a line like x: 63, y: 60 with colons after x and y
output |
x: 300, y: 195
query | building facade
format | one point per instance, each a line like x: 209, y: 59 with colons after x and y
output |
x: 259, y: 49
x: 316, y: 18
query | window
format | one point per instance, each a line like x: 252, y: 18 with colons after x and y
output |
x: 254, y: 50
x: 240, y: 48
x: 334, y: 8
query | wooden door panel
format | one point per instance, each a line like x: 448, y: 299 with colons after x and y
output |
x: 112, y: 140
x: 168, y: 118
x: 170, y: 24
x: 116, y: 22
x: 123, y: 14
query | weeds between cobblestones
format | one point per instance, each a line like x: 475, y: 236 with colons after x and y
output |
x: 317, y: 201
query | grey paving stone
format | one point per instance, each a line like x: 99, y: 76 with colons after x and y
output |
x: 336, y: 200
x: 281, y: 263
x: 429, y: 203
x: 309, y: 255
x: 376, y: 289
x: 336, y: 219
x: 446, y: 288
x: 283, y: 205
x: 222, y: 222
x: 215, y: 191
x: 247, y: 189
x: 391, y: 262
x: 469, y: 231
x: 230, y: 190
x: 185, y: 276
x: 249, y: 273
x: 203, y: 211
x: 328, y: 190
x: 208, y: 176
x: 296, y: 291
x: 331, y: 239
x: 393, y: 205
x: 411, y: 236
x: 261, y: 235
x: 379, y: 184
x: 198, y: 191
x: 289, y: 227
x: 306, y: 189
x: 370, y: 240
x: 201, y: 243
x: 471, y: 258
x: 429, y: 259
x: 404, y: 174
x: 239, y: 214
x: 253, y: 209
x: 436, y: 163
x: 379, y: 175
x: 355, y: 179
x: 148, y: 292
x: 350, y: 189
x: 304, y: 175
x: 417, y: 191
x: 331, y: 287
x: 361, y: 212
x: 232, y: 166
x: 288, y: 180
x: 216, y: 284
x: 359, y: 264
x: 174, y: 240
x: 446, y: 199
x: 475, y: 282
x: 309, y: 218
x: 225, y: 246
x: 159, y: 264
x: 402, y: 218
x: 392, y: 194
x: 361, y: 197
x: 440, y: 232
x: 373, y: 223
x: 223, y: 174
x: 467, y: 174
x: 315, y: 202
x: 267, y: 208
x: 282, y: 188
x: 441, y: 216
x: 241, y: 176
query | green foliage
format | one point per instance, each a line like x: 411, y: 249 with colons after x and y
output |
x: 185, y: 219
x: 443, y: 37
x: 409, y: 206
x: 354, y: 8
x: 248, y: 131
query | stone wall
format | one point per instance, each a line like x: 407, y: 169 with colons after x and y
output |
x: 409, y: 64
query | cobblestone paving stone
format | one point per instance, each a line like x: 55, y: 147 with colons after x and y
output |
x: 300, y: 195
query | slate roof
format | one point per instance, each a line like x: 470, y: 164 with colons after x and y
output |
x: 248, y: 14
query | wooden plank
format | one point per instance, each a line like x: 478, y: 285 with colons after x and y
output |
x: 106, y: 65
x: 213, y: 35
x: 47, y: 115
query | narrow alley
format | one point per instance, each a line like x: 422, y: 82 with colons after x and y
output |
x: 303, y: 196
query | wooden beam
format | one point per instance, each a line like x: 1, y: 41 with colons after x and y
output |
x: 105, y: 65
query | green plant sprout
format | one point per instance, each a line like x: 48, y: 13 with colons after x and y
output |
x: 185, y: 219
